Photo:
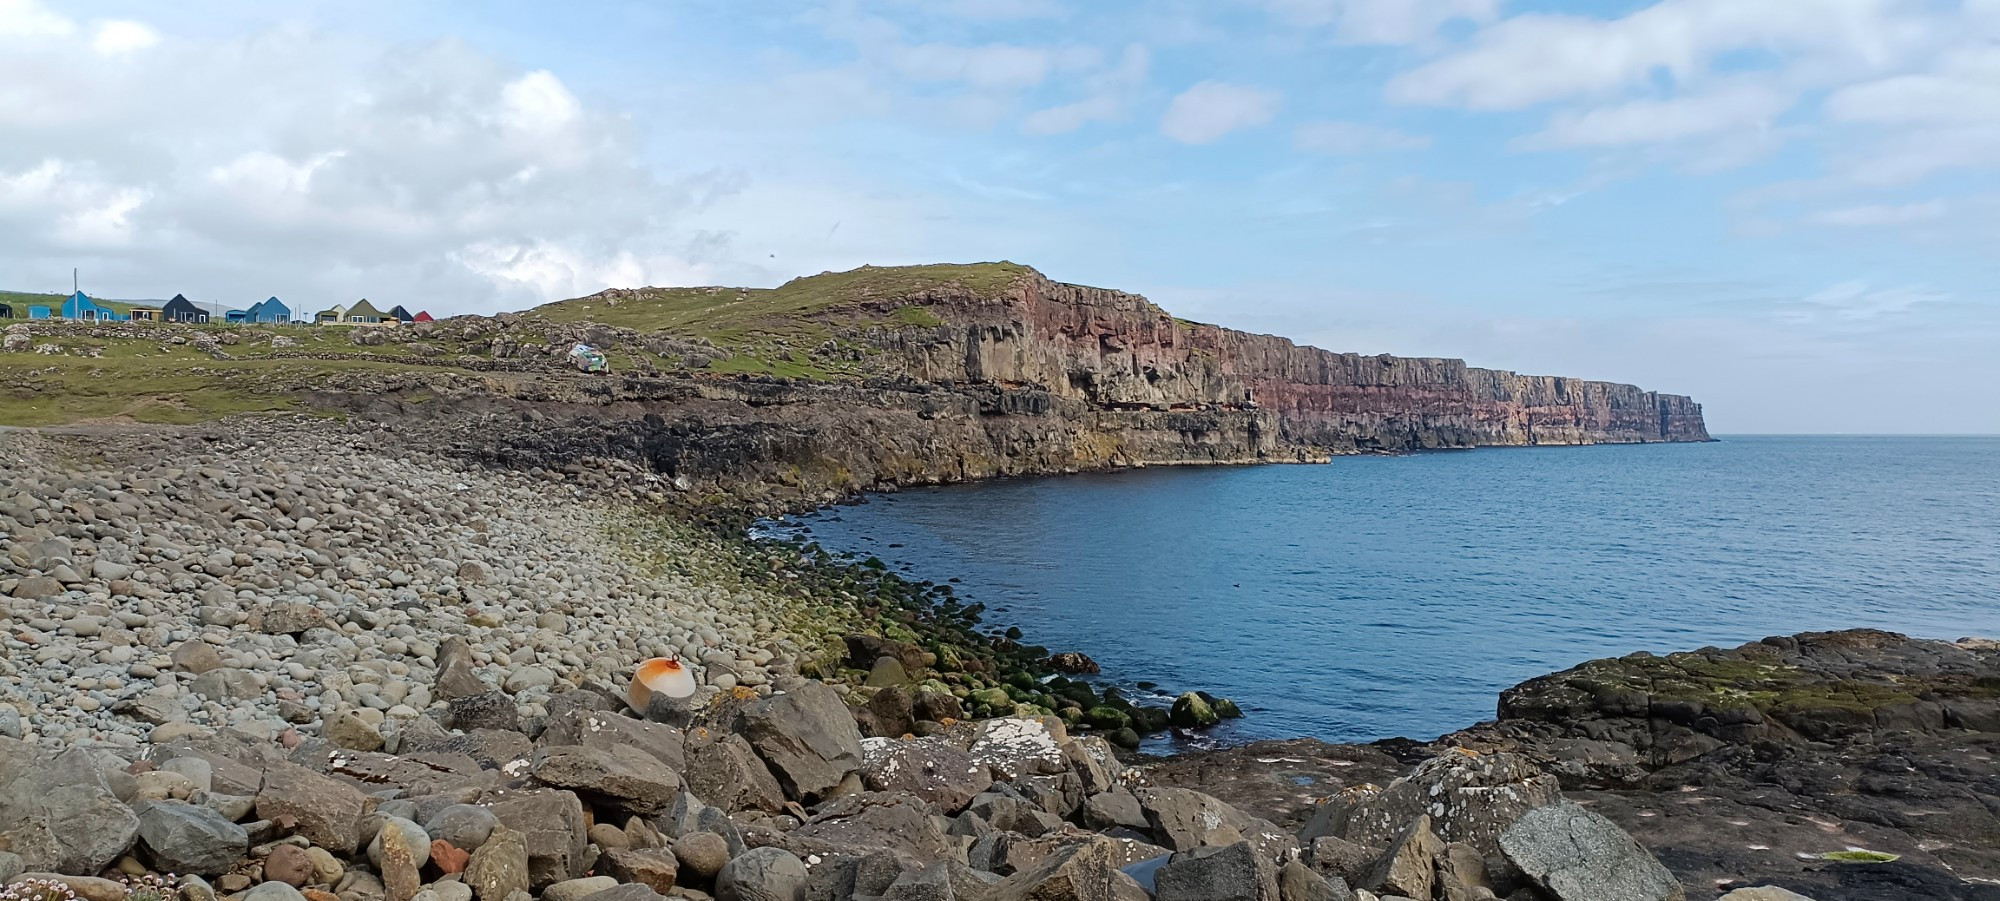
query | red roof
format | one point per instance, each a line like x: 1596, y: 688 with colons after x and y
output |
x: 424, y: 317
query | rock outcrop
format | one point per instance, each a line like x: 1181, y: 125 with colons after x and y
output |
x: 949, y: 382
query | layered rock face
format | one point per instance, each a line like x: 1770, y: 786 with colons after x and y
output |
x: 1034, y: 378
x: 1117, y: 351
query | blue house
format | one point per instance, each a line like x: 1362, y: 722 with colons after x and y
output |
x: 38, y: 311
x: 269, y: 311
x: 83, y: 309
x: 236, y: 316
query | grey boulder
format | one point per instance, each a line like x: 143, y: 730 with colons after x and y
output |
x: 179, y: 837
x: 1576, y: 855
x: 762, y: 874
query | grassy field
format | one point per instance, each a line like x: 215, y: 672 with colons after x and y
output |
x: 728, y: 316
x: 145, y: 380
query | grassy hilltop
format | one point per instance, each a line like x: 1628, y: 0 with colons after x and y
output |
x: 760, y: 331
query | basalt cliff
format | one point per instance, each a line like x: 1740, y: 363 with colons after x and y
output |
x: 882, y: 377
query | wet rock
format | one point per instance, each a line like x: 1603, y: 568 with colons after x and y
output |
x: 1191, y: 712
x: 1576, y: 855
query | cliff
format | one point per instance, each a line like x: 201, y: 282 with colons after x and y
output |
x: 831, y: 384
x: 1118, y: 351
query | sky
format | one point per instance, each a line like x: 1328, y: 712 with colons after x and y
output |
x: 1787, y: 209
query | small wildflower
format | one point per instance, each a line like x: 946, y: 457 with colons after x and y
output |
x: 150, y: 887
x: 37, y: 890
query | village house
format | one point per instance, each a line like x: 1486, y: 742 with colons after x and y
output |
x: 180, y: 309
x: 331, y: 315
x: 364, y: 313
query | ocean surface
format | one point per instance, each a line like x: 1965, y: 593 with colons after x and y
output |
x: 1396, y: 596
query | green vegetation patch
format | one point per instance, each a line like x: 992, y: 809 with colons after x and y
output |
x: 150, y: 380
x: 1859, y: 856
x: 732, y: 317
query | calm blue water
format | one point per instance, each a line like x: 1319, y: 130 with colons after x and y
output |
x: 1386, y: 596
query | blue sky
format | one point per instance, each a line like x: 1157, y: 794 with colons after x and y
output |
x: 1785, y: 209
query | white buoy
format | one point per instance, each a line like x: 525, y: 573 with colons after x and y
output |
x: 661, y: 675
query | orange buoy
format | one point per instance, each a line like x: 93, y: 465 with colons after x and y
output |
x: 664, y: 675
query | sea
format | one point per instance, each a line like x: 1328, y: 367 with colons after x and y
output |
x: 1384, y: 596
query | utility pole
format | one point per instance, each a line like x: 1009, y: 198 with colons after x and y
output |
x: 73, y: 283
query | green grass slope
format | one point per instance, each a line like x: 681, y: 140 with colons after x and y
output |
x: 729, y: 316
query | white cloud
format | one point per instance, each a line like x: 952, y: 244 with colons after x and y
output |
x: 1875, y: 215
x: 1731, y: 109
x: 1382, y: 21
x: 1858, y: 302
x: 121, y: 36
x: 29, y: 18
x: 322, y: 167
x: 1533, y: 59
x: 1354, y: 137
x: 1110, y: 92
x: 1963, y: 88
x: 1211, y: 110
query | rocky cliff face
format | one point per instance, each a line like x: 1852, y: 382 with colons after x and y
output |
x: 942, y: 382
x: 1117, y: 351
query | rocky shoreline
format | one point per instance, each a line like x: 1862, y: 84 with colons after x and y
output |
x: 282, y: 659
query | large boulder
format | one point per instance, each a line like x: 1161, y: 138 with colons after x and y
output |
x: 1576, y: 855
x: 552, y: 827
x: 1089, y: 871
x: 726, y: 771
x: 621, y: 775
x: 1229, y: 873
x: 328, y: 812
x: 930, y: 768
x: 1470, y: 798
x: 603, y: 730
x: 1184, y: 819
x: 1018, y: 746
x: 499, y: 869
x: 1409, y: 866
x: 877, y: 821
x: 762, y: 874
x: 807, y: 736
x: 179, y: 837
x: 59, y: 813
